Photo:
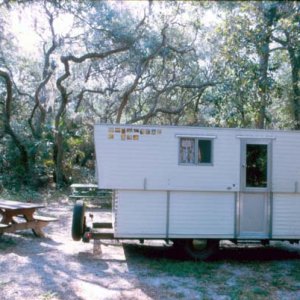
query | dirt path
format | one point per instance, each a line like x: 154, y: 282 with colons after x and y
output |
x: 59, y: 268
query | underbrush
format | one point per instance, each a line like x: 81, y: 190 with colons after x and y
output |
x: 45, y: 195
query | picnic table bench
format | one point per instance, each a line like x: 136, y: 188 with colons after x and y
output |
x: 20, y: 216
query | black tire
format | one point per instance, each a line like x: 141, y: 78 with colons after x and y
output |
x: 200, y: 249
x: 78, y: 222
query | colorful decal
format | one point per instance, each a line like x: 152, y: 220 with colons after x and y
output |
x: 131, y: 133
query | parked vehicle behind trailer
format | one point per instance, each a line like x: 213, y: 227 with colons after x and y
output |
x: 196, y: 186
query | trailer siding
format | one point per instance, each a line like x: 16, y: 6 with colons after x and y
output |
x: 201, y: 214
x: 286, y: 163
x: 286, y: 216
x: 144, y: 213
x: 153, y: 163
x: 140, y: 214
x: 160, y: 198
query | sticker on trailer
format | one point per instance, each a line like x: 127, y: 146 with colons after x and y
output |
x: 132, y: 134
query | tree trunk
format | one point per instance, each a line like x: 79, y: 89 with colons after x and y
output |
x: 58, y: 154
x: 24, y: 156
x: 263, y: 49
x: 264, y: 53
x: 295, y: 66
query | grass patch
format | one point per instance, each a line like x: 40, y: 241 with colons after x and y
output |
x: 259, y: 279
x: 182, y: 268
x: 48, y: 295
x: 2, y: 283
x: 235, y: 292
x: 246, y: 292
x: 6, y: 242
x: 260, y: 291
x: 279, y: 281
x: 295, y: 271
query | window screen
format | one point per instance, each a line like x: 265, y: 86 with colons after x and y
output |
x: 195, y: 151
x: 187, y: 151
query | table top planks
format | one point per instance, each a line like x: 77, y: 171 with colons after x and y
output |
x: 13, y: 205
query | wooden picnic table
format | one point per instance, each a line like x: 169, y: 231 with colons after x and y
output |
x: 19, y: 216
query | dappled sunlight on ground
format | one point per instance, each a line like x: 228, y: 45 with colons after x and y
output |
x: 56, y: 267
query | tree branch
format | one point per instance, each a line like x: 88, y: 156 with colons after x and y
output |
x: 154, y: 110
x: 93, y: 55
x: 81, y: 94
x: 9, y: 92
x: 277, y: 48
x: 7, y: 117
x: 142, y: 67
x: 280, y: 41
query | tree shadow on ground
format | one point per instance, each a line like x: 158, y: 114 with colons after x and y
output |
x: 14, y: 241
x: 35, y: 264
x: 244, y: 253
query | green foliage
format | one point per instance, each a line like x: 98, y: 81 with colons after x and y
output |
x: 11, y: 169
x: 225, y: 64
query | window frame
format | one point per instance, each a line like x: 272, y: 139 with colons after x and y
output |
x: 196, y: 150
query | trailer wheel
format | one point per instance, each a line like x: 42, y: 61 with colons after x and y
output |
x: 78, y: 222
x: 200, y: 249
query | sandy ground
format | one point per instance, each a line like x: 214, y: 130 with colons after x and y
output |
x: 56, y: 267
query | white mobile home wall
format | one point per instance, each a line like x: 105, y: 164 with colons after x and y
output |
x: 157, y: 197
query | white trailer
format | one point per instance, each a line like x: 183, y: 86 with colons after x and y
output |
x: 187, y: 184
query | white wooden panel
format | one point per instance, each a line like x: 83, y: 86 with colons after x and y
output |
x: 201, y: 214
x: 141, y: 214
x: 286, y: 215
x: 151, y: 162
x: 286, y: 162
x: 254, y: 214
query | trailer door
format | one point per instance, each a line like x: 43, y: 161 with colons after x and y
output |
x: 254, y: 199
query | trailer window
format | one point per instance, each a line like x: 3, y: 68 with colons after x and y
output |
x: 195, y: 151
x: 187, y: 151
